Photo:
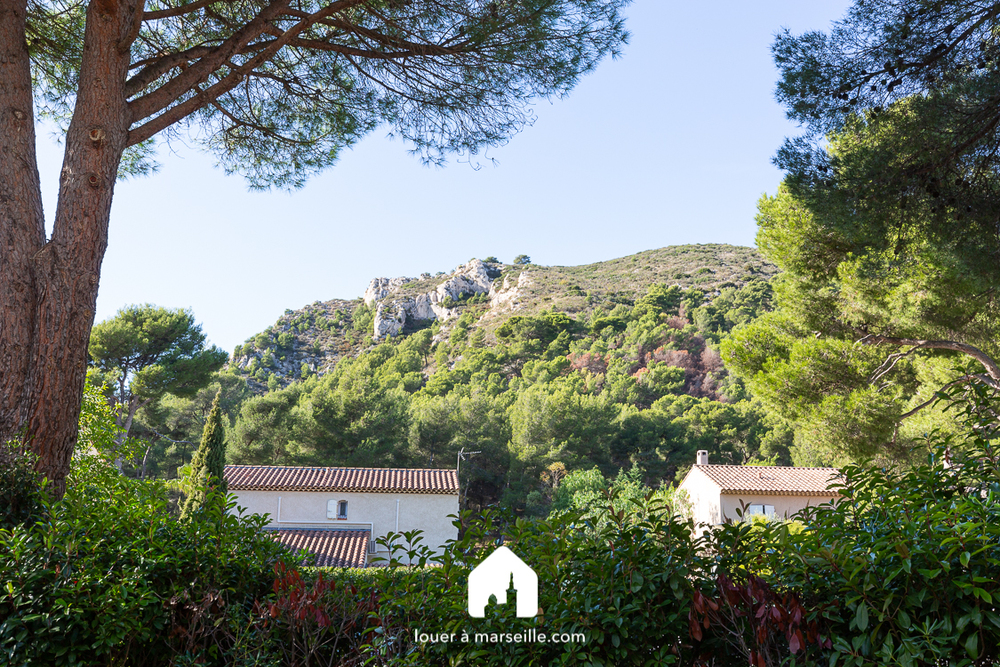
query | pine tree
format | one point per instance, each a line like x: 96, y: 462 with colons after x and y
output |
x: 209, y: 462
x: 278, y: 90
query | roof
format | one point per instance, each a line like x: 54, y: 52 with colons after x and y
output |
x: 773, y: 480
x: 379, y: 480
x: 330, y: 548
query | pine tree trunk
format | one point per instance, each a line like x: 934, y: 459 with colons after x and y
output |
x: 49, y: 290
x: 22, y: 225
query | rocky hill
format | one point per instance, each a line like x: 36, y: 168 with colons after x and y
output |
x: 312, y: 339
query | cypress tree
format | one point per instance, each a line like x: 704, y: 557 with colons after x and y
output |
x: 209, y: 461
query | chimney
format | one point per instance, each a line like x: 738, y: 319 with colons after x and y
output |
x: 703, y: 457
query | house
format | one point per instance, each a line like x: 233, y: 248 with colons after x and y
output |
x: 337, y: 514
x: 717, y: 491
x: 494, y: 575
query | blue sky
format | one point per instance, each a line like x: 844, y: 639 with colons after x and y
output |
x: 669, y: 144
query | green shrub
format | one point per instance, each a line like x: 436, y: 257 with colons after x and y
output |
x: 617, y: 324
x: 360, y: 577
x: 20, y: 493
x: 904, y: 570
x: 363, y: 319
x: 112, y: 577
x: 625, y: 584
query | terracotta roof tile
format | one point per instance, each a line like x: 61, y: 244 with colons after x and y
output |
x: 330, y: 548
x: 298, y: 478
x: 776, y: 480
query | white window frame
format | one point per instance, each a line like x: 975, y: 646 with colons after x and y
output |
x: 333, y: 509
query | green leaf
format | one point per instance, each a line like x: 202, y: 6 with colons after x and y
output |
x: 972, y: 645
x: 964, y: 558
x: 861, y: 617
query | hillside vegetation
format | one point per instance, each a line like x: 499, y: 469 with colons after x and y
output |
x: 611, y: 365
x: 314, y: 338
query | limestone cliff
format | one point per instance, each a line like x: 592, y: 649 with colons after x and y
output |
x: 393, y: 309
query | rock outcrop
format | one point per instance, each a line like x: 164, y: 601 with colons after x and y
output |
x: 389, y: 319
x: 391, y: 314
x: 379, y: 288
x: 507, y: 298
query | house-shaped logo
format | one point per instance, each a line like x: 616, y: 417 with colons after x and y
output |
x: 492, y: 577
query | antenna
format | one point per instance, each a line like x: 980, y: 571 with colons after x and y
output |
x: 461, y: 455
x: 458, y: 464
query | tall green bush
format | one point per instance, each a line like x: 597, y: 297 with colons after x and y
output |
x: 209, y: 462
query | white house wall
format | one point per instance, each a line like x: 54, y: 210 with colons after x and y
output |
x: 785, y: 507
x: 308, y: 509
x: 704, y: 495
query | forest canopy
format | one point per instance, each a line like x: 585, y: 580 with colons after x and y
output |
x: 638, y: 387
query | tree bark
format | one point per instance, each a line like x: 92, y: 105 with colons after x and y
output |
x: 22, y: 224
x: 51, y: 322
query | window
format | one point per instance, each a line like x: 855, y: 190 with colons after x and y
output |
x: 336, y: 509
x: 760, y: 510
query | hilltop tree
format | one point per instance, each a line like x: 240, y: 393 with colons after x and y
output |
x: 522, y: 260
x: 276, y: 89
x: 209, y: 462
x: 145, y: 352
